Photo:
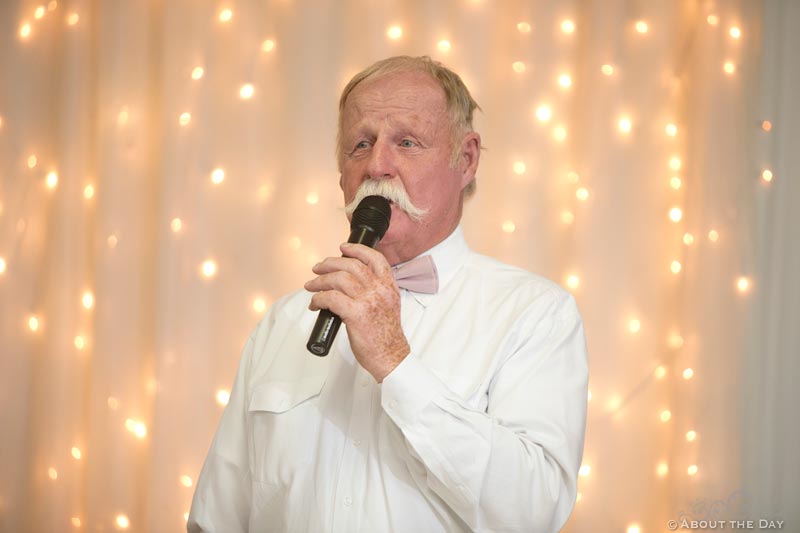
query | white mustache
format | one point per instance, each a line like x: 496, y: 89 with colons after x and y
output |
x: 391, y: 190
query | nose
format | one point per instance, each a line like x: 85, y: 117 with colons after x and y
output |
x: 381, y: 164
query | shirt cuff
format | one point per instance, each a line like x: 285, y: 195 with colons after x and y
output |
x: 408, y: 389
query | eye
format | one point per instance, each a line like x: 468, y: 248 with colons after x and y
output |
x: 407, y: 143
x: 361, y: 145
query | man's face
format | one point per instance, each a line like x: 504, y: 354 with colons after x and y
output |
x: 396, y: 128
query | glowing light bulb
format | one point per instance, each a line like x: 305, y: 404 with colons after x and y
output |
x: 567, y: 26
x: 634, y: 325
x: 675, y: 267
x: 573, y: 281
x: 633, y: 528
x: 578, y: 497
x: 766, y: 175
x: 80, y: 342
x: 584, y: 470
x: 25, y: 31
x: 692, y: 470
x: 225, y: 15
x: 671, y: 130
x: 122, y: 521
x: 582, y: 194
x: 76, y: 453
x: 662, y: 469
x: 766, y: 125
x: 712, y: 20
x: 33, y: 323
x: 443, y: 45
x: 52, y: 473
x: 268, y: 45
x: 394, y: 32
x: 518, y: 67
x: 217, y: 176
x: 32, y: 161
x: 51, y: 180
x: 39, y: 13
x: 641, y: 26
x: 675, y: 341
x: 519, y: 167
x: 624, y: 124
x: 567, y: 217
x: 735, y: 32
x: 176, y: 225
x: 246, y: 91
x: 72, y: 19
x: 713, y: 235
x: 138, y: 428
x: 660, y: 372
x: 186, y: 517
x: 687, y: 374
x: 729, y: 67
x: 88, y: 192
x: 743, y: 284
x: 675, y: 182
x: 565, y: 81
x: 509, y: 226
x: 197, y: 73
x: 665, y: 415
x: 560, y: 133
x: 75, y: 521
x: 2, y: 265
x: 223, y: 397
x: 675, y: 214
x: 544, y: 113
x: 589, y: 395
x: 523, y: 27
x: 675, y: 163
x: 87, y: 299
x: 312, y: 198
x: 185, y: 118
x: 607, y: 69
x: 688, y: 239
x: 209, y: 268
x: 259, y: 305
x: 186, y: 481
x: 691, y: 435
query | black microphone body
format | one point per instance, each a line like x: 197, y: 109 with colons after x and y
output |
x: 368, y: 226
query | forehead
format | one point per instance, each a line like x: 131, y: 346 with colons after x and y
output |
x: 413, y: 96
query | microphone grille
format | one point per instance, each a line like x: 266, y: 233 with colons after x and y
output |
x: 375, y: 213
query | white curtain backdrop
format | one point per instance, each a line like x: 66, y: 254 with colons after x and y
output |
x: 167, y: 171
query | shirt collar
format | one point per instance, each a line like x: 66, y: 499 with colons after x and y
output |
x: 448, y: 256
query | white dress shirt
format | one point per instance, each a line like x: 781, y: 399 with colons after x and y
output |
x: 479, y: 428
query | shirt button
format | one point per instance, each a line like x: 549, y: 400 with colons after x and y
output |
x: 348, y: 501
x: 357, y: 442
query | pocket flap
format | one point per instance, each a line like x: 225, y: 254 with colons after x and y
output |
x: 280, y: 396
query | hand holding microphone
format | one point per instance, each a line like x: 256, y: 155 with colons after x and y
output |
x: 368, y: 226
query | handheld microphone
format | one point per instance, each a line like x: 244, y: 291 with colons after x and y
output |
x: 368, y: 226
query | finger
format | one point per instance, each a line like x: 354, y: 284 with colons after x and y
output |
x: 334, y: 301
x: 339, y: 280
x: 369, y: 256
x: 348, y: 264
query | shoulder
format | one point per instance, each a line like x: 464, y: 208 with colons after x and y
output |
x: 507, y: 283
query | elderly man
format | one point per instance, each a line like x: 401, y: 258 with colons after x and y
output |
x: 456, y: 406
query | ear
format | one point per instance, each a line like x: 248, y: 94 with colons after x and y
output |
x: 470, y: 157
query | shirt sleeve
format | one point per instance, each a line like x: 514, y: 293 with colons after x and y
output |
x: 222, y: 496
x: 513, y: 467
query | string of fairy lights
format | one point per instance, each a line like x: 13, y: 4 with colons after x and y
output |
x: 544, y: 113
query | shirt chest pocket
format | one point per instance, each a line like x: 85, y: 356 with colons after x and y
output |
x: 284, y: 420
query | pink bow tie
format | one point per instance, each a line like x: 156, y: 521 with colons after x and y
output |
x: 418, y: 275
